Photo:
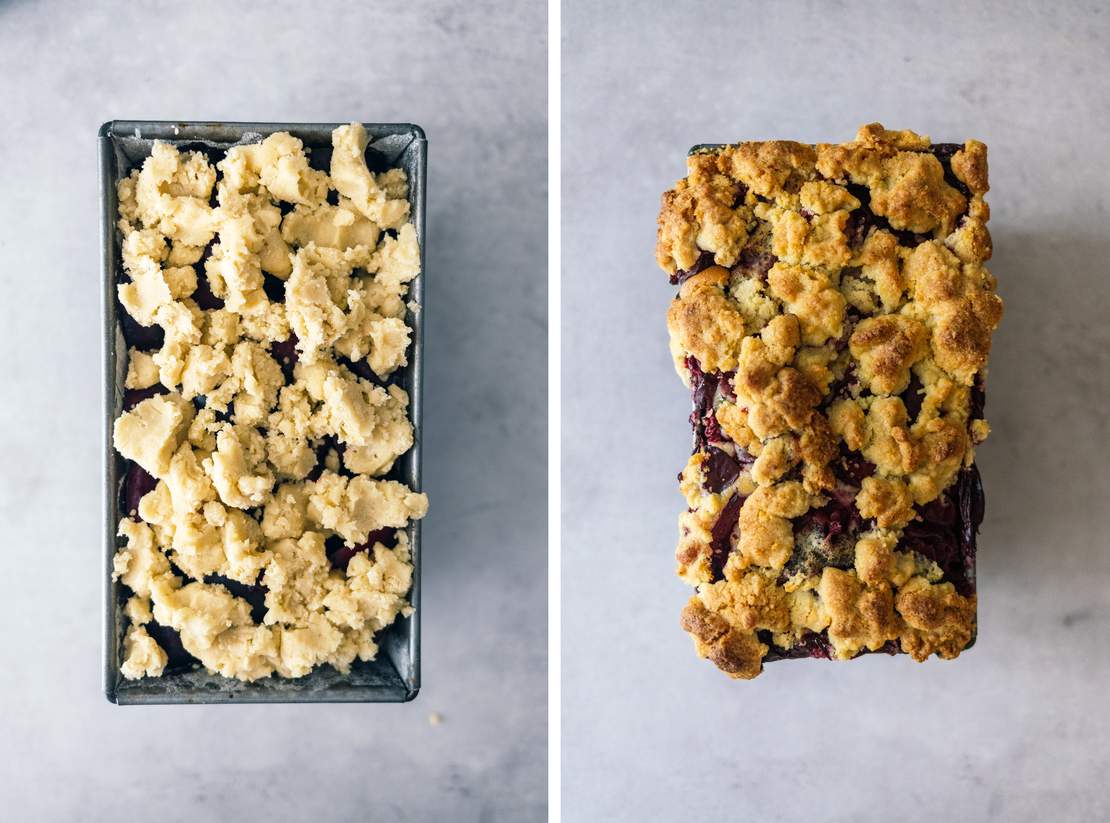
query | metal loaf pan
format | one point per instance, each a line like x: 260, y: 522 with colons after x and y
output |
x: 395, y: 675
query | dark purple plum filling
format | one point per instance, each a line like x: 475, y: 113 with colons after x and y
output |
x: 852, y: 316
x: 862, y: 220
x: 978, y: 401
x: 362, y: 369
x: 857, y: 227
x: 713, y: 433
x: 376, y: 161
x: 825, y: 537
x: 905, y: 238
x: 255, y: 595
x: 844, y: 495
x: 817, y: 645
x: 340, y: 555
x: 851, y: 271
x: 144, y: 338
x: 203, y: 295
x: 944, y: 152
x: 725, y: 385
x: 852, y: 468
x: 721, y: 470
x: 718, y: 440
x: 913, y: 397
x: 285, y: 350
x: 212, y: 154
x: 837, y: 517
x: 704, y: 261
x: 724, y: 459
x: 274, y: 288
x: 843, y: 386
x: 740, y: 192
x: 972, y: 501
x: 946, y: 528
x: 285, y: 353
x: 722, y: 535
x: 137, y: 483
x: 703, y: 418
x: 936, y: 537
x: 178, y: 660
x: 754, y: 262
x: 703, y: 390
x: 889, y: 647
x: 811, y: 644
x: 325, y: 445
x: 133, y: 397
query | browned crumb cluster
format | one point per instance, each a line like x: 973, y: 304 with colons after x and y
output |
x: 834, y: 321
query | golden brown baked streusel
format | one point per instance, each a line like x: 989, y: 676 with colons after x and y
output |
x: 833, y: 321
x: 263, y: 422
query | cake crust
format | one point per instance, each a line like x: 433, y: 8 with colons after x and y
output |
x: 833, y: 321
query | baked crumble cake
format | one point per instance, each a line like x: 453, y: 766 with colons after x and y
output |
x: 264, y: 310
x: 833, y: 322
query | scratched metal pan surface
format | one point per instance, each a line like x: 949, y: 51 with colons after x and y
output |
x: 395, y: 675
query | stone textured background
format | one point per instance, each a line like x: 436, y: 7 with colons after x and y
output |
x: 474, y: 76
x: 1015, y: 731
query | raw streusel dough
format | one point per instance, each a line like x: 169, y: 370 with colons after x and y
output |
x: 231, y: 441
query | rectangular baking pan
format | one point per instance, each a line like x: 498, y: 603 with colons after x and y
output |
x: 395, y: 675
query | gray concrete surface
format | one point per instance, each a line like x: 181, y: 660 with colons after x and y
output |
x: 474, y: 75
x: 1018, y: 729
